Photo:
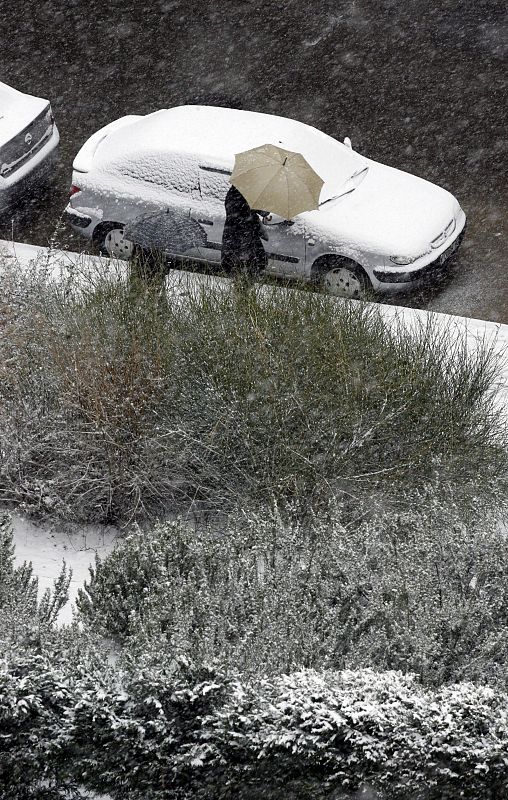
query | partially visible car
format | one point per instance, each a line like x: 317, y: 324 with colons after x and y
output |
x: 376, y: 227
x: 28, y: 144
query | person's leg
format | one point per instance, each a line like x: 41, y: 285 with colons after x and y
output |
x: 148, y: 266
x: 147, y: 273
x: 245, y: 278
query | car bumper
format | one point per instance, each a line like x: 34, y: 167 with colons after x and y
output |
x: 21, y: 183
x: 76, y: 219
x: 397, y: 279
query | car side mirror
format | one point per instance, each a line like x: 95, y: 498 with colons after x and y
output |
x: 347, y: 142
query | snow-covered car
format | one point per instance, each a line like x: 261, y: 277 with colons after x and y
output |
x: 28, y: 143
x: 376, y: 227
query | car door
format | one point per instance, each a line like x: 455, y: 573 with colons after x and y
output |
x: 285, y: 246
x: 159, y: 183
x: 285, y: 242
x: 209, y: 210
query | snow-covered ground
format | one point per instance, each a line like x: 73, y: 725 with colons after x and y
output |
x: 47, y: 546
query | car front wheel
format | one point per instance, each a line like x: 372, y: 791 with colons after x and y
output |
x: 344, y: 278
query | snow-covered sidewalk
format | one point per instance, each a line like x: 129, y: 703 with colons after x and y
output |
x: 45, y: 546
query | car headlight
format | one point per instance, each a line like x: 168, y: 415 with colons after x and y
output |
x: 403, y: 261
x: 49, y: 118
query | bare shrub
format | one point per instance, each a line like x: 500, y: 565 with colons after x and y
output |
x: 119, y: 403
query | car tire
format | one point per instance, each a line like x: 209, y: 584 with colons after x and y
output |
x: 342, y: 277
x: 110, y: 241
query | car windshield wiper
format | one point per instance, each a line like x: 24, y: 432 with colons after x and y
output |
x: 348, y: 190
x: 336, y: 196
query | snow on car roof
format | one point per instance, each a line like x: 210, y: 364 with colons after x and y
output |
x: 215, y: 135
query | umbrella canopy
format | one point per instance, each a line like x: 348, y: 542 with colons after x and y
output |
x: 276, y: 180
x: 170, y: 231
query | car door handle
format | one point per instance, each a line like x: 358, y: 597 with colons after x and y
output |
x: 311, y: 242
x: 205, y: 221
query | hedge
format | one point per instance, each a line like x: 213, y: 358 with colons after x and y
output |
x: 177, y: 732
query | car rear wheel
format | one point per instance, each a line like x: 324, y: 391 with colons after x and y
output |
x: 341, y: 277
x: 110, y: 241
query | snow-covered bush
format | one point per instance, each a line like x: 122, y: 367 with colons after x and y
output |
x: 34, y: 691
x: 35, y: 696
x: 117, y: 405
x: 191, y: 734
x: 418, y: 591
x: 330, y: 734
x: 165, y: 729
x: 144, y: 737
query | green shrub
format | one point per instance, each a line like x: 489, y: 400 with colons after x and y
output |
x: 330, y: 735
x: 117, y: 405
x: 162, y: 733
x: 143, y: 735
x: 420, y: 592
x: 35, y: 696
x: 34, y: 692
x: 168, y: 730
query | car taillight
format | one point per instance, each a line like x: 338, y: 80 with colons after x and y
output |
x: 74, y: 190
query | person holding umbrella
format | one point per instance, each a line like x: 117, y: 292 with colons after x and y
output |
x: 271, y: 177
x: 242, y: 253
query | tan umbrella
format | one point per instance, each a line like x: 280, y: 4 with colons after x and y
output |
x: 276, y: 180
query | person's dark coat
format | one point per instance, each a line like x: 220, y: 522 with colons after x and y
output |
x: 242, y: 245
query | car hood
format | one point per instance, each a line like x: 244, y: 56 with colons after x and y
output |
x: 390, y: 211
x: 17, y: 110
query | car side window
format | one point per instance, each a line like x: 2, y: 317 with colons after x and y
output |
x: 214, y: 182
x: 175, y: 172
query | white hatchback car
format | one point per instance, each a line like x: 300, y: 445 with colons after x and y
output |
x: 28, y: 142
x: 376, y: 227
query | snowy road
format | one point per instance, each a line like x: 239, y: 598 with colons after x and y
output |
x: 418, y: 86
